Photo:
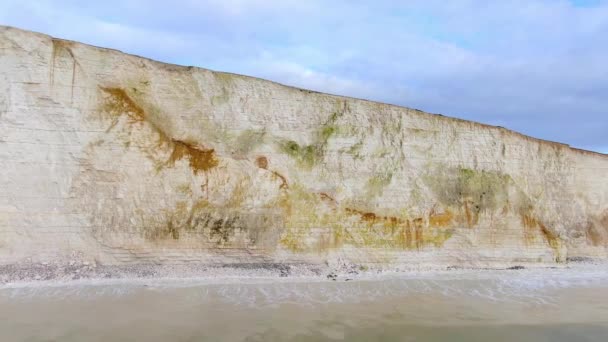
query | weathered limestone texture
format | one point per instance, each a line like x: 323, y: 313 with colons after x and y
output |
x: 124, y: 160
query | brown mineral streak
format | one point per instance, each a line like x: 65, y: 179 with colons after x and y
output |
x: 440, y: 220
x: 486, y: 196
x: 200, y: 159
x: 366, y: 216
x: 284, y: 184
x: 530, y: 222
x: 262, y: 163
x: 120, y: 97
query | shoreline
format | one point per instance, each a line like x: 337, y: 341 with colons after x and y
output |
x: 73, y: 273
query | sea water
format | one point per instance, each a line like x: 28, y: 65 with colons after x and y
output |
x: 518, y: 305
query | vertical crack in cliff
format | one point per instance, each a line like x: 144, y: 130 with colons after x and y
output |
x: 60, y: 46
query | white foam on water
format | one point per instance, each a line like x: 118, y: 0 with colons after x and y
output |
x: 518, y: 286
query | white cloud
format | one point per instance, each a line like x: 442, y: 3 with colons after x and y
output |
x: 537, y: 66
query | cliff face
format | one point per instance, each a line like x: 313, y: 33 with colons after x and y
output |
x: 124, y: 160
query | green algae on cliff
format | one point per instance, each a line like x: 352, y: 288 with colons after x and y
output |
x: 486, y: 189
x: 376, y: 184
x: 308, y: 156
x: 349, y: 226
x: 469, y: 191
x: 149, y: 162
x: 476, y: 192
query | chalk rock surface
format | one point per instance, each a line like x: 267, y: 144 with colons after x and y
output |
x: 124, y: 160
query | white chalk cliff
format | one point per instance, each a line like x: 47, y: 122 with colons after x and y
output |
x: 122, y: 159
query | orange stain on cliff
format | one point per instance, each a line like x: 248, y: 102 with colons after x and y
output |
x: 392, y: 221
x: 408, y: 233
x: 369, y: 217
x: 530, y: 223
x: 550, y: 236
x: 372, y: 218
x: 604, y: 220
x: 419, y: 237
x: 593, y: 235
x: 122, y: 103
x: 261, y: 162
x: 200, y: 159
x: 284, y: 184
x: 598, y: 231
x: 324, y: 196
x: 440, y: 220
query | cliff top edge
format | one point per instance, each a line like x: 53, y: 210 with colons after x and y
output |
x: 312, y: 92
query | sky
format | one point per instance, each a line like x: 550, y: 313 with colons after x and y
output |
x: 539, y: 67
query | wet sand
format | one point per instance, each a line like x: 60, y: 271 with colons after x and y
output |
x: 523, y: 305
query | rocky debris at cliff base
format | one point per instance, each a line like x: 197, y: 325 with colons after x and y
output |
x: 74, y: 270
x: 517, y: 267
